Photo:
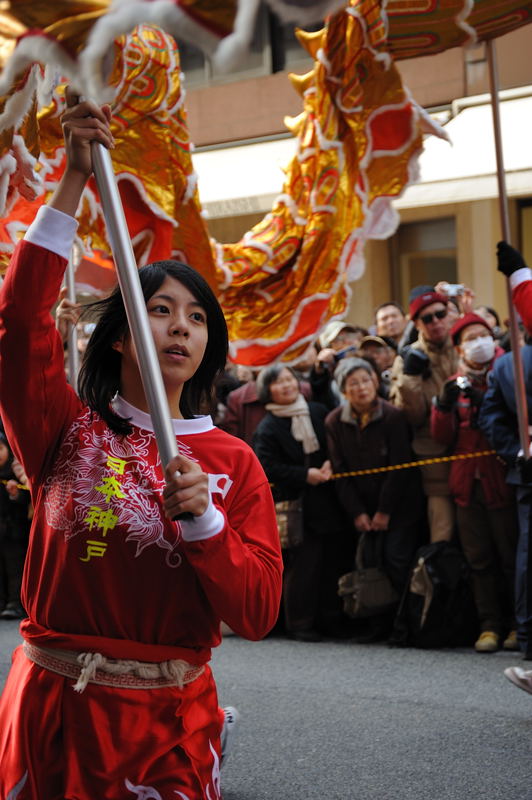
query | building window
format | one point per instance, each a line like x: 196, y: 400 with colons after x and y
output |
x: 273, y: 49
x: 423, y: 253
x: 287, y: 53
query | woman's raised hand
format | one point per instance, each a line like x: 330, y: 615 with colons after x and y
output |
x: 84, y: 122
x: 187, y: 491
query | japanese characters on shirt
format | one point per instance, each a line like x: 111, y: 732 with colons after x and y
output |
x: 104, y: 518
x: 103, y: 484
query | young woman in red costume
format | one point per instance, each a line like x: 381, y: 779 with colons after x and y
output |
x: 111, y: 695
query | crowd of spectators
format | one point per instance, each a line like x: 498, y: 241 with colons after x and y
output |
x: 410, y: 388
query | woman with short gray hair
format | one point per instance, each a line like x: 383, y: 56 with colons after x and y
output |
x: 363, y: 433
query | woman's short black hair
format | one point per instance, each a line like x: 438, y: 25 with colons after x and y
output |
x: 99, y: 377
x: 266, y: 377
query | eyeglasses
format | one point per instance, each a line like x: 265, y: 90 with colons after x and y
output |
x: 426, y: 319
x: 358, y: 384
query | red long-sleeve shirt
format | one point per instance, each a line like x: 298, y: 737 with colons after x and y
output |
x: 521, y: 283
x: 105, y: 569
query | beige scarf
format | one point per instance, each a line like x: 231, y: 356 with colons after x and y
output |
x: 302, y: 429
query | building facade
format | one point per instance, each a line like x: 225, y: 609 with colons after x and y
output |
x: 449, y: 222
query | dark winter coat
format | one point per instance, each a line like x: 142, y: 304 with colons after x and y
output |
x: 498, y: 413
x: 459, y: 430
x: 286, y: 466
x: 14, y: 523
x: 385, y: 440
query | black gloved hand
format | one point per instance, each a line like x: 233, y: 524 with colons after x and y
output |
x: 416, y: 362
x: 448, y: 396
x: 524, y: 465
x: 508, y: 259
x: 475, y: 395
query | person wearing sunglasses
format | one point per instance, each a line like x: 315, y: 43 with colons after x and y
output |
x: 418, y: 375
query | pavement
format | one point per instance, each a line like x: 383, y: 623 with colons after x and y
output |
x: 343, y: 721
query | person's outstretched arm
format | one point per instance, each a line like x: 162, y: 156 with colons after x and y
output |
x: 37, y: 405
x: 512, y: 264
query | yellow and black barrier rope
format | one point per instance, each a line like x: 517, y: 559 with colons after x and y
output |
x: 423, y: 462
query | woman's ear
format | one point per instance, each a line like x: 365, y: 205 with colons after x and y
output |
x: 118, y: 346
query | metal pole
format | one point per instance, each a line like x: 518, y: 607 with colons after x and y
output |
x: 73, y: 353
x: 520, y: 389
x: 135, y: 305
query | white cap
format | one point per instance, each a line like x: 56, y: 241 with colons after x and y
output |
x: 331, y: 331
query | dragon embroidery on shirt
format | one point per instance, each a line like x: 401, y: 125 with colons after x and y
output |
x: 70, y: 491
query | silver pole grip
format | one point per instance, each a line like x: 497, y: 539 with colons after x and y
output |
x: 73, y: 354
x: 135, y: 305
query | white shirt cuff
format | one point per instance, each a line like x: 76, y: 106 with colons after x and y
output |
x: 207, y: 525
x: 520, y: 276
x: 53, y: 230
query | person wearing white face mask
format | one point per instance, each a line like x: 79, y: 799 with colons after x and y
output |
x: 486, y: 512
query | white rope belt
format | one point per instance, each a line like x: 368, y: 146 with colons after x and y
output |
x: 122, y: 674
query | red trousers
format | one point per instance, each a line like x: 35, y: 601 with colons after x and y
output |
x: 107, y: 743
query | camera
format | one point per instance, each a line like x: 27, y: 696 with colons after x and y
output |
x: 454, y: 289
x: 463, y: 383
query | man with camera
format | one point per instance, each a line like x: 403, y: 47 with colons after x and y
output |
x: 419, y: 373
x: 485, y: 506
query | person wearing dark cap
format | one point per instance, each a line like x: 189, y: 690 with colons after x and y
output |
x: 381, y: 353
x: 486, y: 513
x: 418, y: 374
x: 410, y: 332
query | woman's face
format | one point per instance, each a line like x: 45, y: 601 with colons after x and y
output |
x: 285, y: 389
x: 360, y: 389
x: 179, y: 326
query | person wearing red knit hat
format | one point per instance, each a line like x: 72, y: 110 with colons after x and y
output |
x: 418, y: 374
x: 485, y: 507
